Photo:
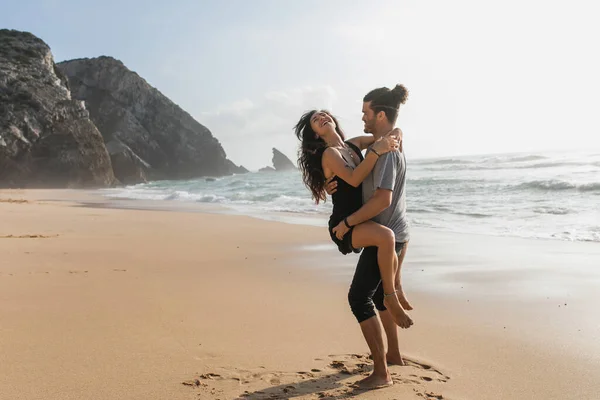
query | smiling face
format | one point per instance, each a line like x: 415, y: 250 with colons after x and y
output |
x: 369, y: 117
x: 322, y: 123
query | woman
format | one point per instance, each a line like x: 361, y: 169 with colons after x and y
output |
x: 325, y: 153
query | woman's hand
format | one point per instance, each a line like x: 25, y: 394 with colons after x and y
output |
x: 396, y: 133
x: 386, y: 143
x: 340, y: 230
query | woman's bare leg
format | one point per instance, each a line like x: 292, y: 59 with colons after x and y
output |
x: 372, y: 234
x: 401, y: 296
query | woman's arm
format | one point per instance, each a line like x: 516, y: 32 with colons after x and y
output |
x: 362, y: 142
x: 332, y: 160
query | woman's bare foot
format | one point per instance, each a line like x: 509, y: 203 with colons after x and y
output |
x: 398, y: 314
x: 375, y: 382
x: 403, y: 300
x: 394, y: 358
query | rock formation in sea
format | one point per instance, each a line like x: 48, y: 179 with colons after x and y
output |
x: 280, y: 163
x: 46, y: 138
x: 147, y: 135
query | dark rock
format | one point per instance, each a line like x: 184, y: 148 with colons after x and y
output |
x: 242, y: 170
x: 237, y: 170
x: 281, y: 162
x: 158, y: 132
x: 127, y: 166
x: 46, y: 138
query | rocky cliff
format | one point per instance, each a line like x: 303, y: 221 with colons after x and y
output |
x: 46, y: 137
x: 148, y: 135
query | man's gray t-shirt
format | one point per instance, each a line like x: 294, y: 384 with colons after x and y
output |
x: 390, y: 173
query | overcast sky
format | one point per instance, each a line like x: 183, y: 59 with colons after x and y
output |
x: 484, y: 77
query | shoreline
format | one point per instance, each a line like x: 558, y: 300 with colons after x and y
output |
x: 95, y: 198
x: 190, y: 294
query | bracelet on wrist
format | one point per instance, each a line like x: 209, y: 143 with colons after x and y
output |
x: 374, y: 151
x: 346, y: 223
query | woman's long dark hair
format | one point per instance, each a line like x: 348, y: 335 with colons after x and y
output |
x: 310, y: 154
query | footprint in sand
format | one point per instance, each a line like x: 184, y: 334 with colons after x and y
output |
x: 441, y: 377
x: 413, y: 373
x: 430, y: 396
x: 332, y: 378
x: 262, y: 384
x: 27, y: 236
x: 14, y: 201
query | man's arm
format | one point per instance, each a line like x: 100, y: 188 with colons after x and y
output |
x: 382, y: 199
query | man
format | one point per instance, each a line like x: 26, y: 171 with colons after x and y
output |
x: 384, y: 202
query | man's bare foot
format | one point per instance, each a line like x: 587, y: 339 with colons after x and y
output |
x: 403, y: 300
x: 395, y: 358
x: 375, y: 382
x: 398, y: 314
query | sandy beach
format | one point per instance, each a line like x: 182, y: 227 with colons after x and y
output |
x: 112, y: 303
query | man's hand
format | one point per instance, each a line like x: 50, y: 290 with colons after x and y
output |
x: 340, y: 230
x: 331, y: 185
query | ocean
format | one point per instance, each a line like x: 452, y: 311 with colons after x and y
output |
x: 539, y: 195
